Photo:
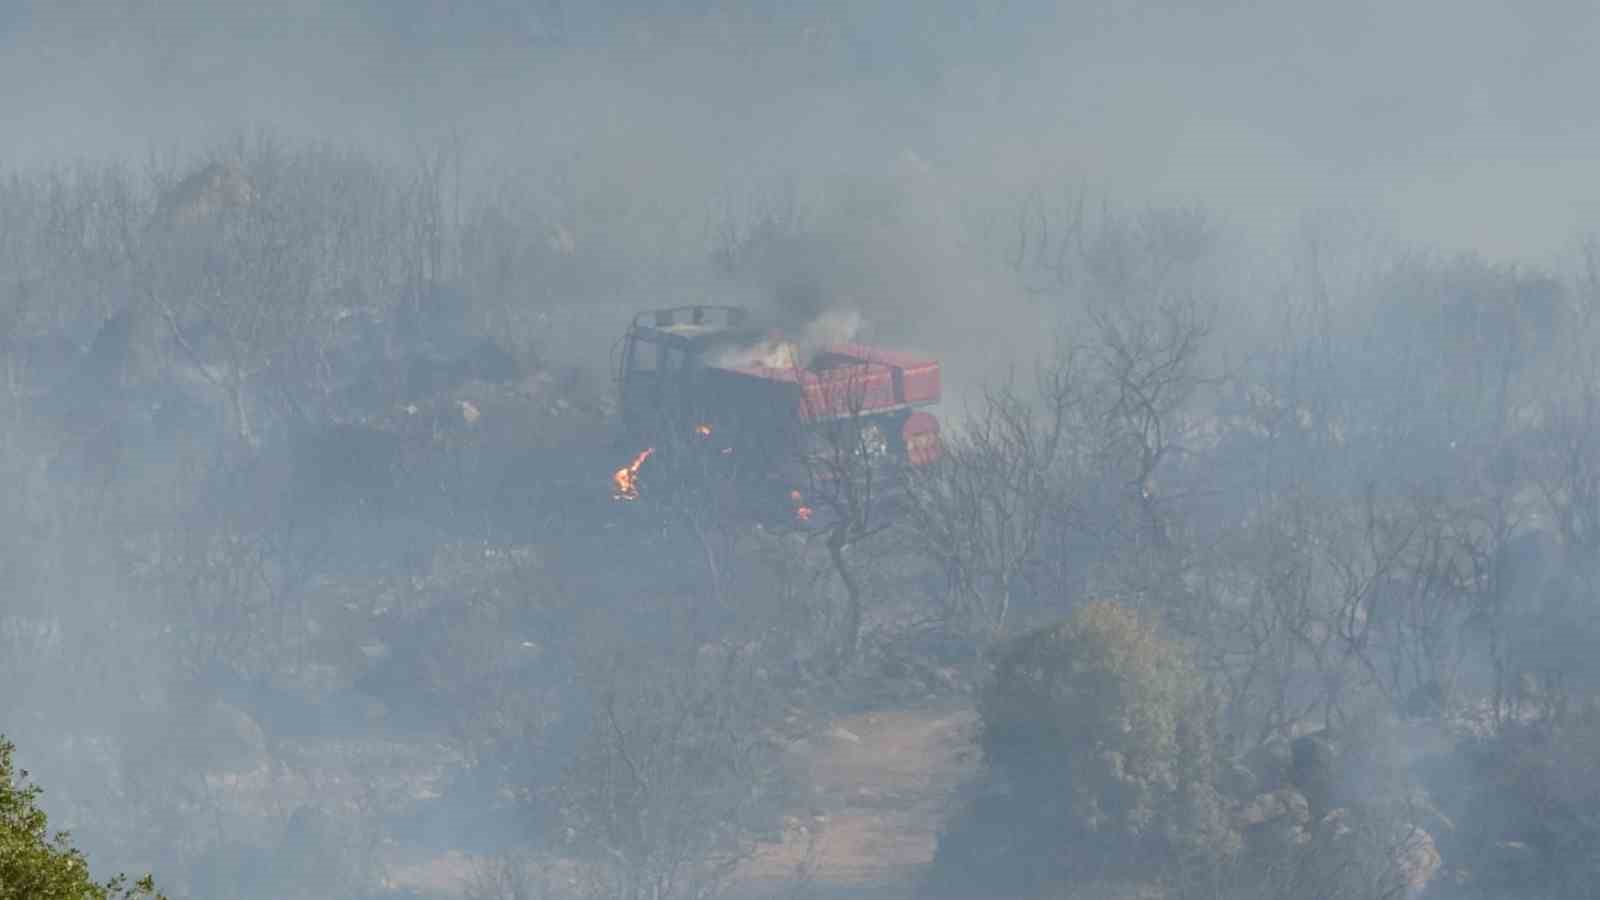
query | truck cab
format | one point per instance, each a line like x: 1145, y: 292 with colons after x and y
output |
x: 708, y: 385
x: 662, y: 361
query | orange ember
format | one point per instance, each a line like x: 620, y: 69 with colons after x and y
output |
x: 626, y: 480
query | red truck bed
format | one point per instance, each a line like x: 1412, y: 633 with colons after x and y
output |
x: 846, y: 379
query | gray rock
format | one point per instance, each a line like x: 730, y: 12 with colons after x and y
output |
x: 1417, y: 861
x: 1284, y: 804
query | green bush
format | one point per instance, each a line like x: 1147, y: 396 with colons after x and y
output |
x: 35, y: 865
x: 1099, y: 742
x: 1093, y: 703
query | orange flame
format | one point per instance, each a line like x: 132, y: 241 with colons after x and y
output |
x: 626, y: 479
x: 703, y: 430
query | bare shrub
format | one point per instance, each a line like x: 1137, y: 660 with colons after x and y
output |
x: 677, y: 777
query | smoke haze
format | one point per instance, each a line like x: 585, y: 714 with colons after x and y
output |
x: 502, y: 185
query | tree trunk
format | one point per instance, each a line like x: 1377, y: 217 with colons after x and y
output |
x: 837, y: 543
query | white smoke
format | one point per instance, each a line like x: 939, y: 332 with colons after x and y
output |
x: 781, y: 352
x: 835, y: 326
x: 772, y: 353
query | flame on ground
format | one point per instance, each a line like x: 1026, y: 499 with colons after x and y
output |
x: 625, y: 482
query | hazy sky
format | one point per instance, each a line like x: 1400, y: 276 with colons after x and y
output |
x: 1464, y: 124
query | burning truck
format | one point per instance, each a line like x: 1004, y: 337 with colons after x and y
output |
x: 707, y: 392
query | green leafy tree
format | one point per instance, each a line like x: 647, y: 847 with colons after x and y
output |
x: 1099, y: 746
x: 1097, y: 699
x: 36, y: 865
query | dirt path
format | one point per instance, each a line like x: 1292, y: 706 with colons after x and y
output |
x: 881, y: 782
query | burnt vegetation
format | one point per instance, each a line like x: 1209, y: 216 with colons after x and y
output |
x: 329, y: 568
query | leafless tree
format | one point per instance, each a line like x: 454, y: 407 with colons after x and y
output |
x: 980, y: 511
x: 433, y: 213
x: 667, y: 794
x: 745, y: 229
x: 1259, y: 601
x: 1046, y: 243
x: 255, y: 260
x: 843, y: 454
x: 1149, y: 329
x: 229, y: 264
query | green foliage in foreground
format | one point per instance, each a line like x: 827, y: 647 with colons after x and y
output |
x: 1101, y: 767
x: 34, y: 865
x: 1096, y: 702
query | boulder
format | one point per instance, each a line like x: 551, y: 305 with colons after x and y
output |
x: 1275, y: 822
x: 1417, y: 861
x: 1286, y: 803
